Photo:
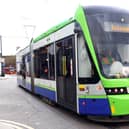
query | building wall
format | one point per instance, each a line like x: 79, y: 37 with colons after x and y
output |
x: 10, y: 61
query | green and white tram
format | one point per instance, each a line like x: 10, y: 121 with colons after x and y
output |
x: 82, y: 63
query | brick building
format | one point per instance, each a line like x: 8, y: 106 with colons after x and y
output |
x: 10, y: 61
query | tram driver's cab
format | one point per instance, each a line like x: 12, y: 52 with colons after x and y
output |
x: 109, y: 31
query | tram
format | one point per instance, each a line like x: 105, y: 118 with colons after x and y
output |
x: 82, y: 63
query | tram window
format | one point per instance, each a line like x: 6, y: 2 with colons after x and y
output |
x: 44, y: 62
x: 87, y: 71
x: 23, y: 69
x: 69, y: 57
x: 64, y: 57
x: 36, y: 64
x: 43, y: 57
x: 27, y: 64
x: 51, y: 62
x: 60, y: 59
x: 19, y: 72
x: 84, y: 61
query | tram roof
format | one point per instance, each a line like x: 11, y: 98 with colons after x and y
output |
x: 89, y: 10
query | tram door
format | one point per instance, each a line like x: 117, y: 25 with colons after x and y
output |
x: 65, y: 73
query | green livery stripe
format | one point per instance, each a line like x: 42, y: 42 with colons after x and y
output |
x: 45, y: 86
x: 81, y: 19
x: 93, y: 96
x: 119, y: 104
x: 108, y: 83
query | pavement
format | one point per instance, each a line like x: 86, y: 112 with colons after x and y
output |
x: 7, y: 76
x: 5, y: 124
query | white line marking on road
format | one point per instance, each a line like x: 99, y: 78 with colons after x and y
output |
x: 15, y: 124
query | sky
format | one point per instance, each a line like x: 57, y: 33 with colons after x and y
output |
x: 22, y: 19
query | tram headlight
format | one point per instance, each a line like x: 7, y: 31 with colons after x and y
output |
x: 116, y: 91
x: 127, y: 89
x: 110, y: 91
x: 121, y: 90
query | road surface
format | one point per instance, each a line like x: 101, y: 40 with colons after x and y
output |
x: 25, y: 111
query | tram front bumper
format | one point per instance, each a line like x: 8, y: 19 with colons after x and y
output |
x: 119, y: 104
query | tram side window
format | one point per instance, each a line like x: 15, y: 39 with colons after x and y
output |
x: 84, y: 61
x: 51, y: 62
x: 27, y: 63
x: 60, y: 59
x: 43, y: 59
x: 23, y: 68
x: 64, y: 58
x: 44, y: 62
x: 36, y: 64
x: 87, y: 73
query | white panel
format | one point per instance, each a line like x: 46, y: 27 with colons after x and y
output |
x: 44, y: 42
x: 48, y: 83
x: 21, y: 53
x: 28, y: 79
x: 19, y: 77
x: 19, y: 57
x: 26, y: 50
x: 92, y: 89
x: 62, y: 33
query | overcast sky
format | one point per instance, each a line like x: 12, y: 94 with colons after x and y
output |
x: 40, y: 15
